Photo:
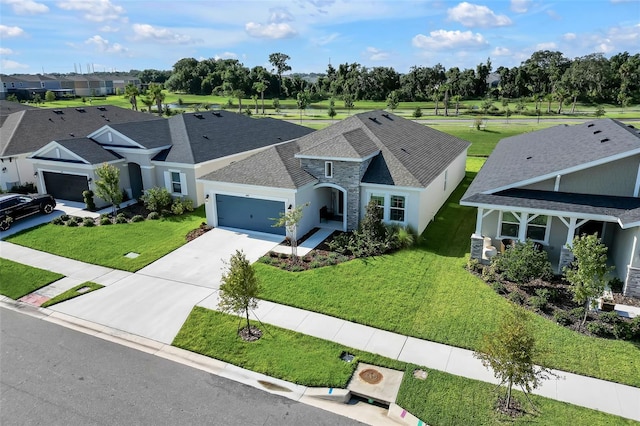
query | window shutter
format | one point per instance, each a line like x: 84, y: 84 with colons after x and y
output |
x: 167, y: 181
x: 183, y: 184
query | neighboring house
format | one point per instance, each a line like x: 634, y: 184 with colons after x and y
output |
x: 26, y: 130
x: 554, y: 184
x: 408, y: 169
x: 170, y: 153
x: 25, y: 86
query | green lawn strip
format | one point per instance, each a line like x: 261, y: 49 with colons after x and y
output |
x: 310, y: 361
x: 107, y: 245
x: 426, y: 292
x: 72, y: 293
x: 17, y: 280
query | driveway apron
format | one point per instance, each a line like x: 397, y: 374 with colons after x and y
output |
x: 155, y: 301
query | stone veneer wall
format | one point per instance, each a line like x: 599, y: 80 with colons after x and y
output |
x: 347, y: 175
x: 566, y: 257
x: 477, y: 245
x: 632, y: 283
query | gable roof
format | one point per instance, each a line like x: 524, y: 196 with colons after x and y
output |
x: 149, y: 134
x: 546, y: 153
x: 407, y: 153
x: 200, y: 137
x: 29, y: 130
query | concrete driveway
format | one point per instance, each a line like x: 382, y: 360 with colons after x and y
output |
x: 155, y: 301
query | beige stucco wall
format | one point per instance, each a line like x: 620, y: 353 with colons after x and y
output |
x: 615, y: 178
x: 17, y: 170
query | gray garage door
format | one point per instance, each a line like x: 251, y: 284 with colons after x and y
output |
x: 249, y: 213
x: 64, y: 186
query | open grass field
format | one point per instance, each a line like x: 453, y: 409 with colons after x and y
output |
x: 17, y: 280
x: 107, y: 245
x: 426, y: 292
x: 310, y: 361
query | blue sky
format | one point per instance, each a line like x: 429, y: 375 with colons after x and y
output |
x: 64, y: 35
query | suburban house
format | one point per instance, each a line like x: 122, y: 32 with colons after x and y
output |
x: 26, y: 86
x: 170, y: 153
x: 554, y: 184
x: 25, y: 129
x: 408, y: 169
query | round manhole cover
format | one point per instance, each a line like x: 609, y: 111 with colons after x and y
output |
x: 371, y: 376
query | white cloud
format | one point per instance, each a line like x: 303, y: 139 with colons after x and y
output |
x: 5, y: 51
x: 164, y: 35
x: 226, y: 55
x: 26, y: 7
x: 442, y: 39
x: 569, y: 36
x: 501, y: 51
x: 324, y: 40
x: 103, y: 45
x: 273, y: 30
x: 376, y: 54
x: 7, y: 64
x: 109, y: 29
x: 546, y: 46
x: 520, y: 6
x: 95, y: 10
x: 6, y: 31
x: 473, y: 15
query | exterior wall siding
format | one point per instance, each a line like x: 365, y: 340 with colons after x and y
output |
x: 615, y: 178
x: 546, y: 185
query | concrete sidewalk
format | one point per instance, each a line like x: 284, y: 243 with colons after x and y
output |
x: 155, y: 308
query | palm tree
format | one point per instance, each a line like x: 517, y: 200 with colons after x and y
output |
x: 155, y: 90
x: 260, y: 87
x: 131, y: 91
x: 147, y: 101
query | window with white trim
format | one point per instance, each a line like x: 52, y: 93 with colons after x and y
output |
x: 537, y: 227
x: 379, y: 200
x: 509, y: 225
x: 176, y: 184
x: 328, y: 169
x: 396, y: 208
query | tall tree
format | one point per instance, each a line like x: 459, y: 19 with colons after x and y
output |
x: 510, y: 352
x: 132, y: 92
x: 239, y: 288
x: 158, y: 96
x: 587, y: 272
x: 279, y: 62
x: 108, y: 185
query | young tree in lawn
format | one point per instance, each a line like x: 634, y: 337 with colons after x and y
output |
x: 587, y: 272
x: 348, y: 102
x: 239, y: 289
x: 510, y: 352
x: 108, y: 185
x: 49, y: 96
x: 331, y: 111
x: 290, y: 220
x: 303, y: 100
x: 393, y: 100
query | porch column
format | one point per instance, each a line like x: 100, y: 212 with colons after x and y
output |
x: 479, y: 217
x: 522, y: 230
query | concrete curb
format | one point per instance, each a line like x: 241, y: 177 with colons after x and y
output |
x: 329, y: 394
x: 402, y: 416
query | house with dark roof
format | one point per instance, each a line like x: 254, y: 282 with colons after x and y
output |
x: 170, y: 153
x: 408, y: 169
x: 554, y: 184
x: 25, y: 130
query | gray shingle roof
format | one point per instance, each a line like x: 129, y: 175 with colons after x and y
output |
x: 8, y: 107
x: 550, y: 151
x: 410, y: 154
x: 200, y: 137
x: 149, y: 134
x: 29, y: 130
x: 87, y: 149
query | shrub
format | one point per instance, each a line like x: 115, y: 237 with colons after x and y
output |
x: 58, y: 221
x: 156, y: 199
x: 87, y: 196
x: 153, y: 216
x: 597, y: 328
x: 121, y: 219
x: 577, y: 313
x: 616, y: 285
x: 499, y: 288
x: 340, y: 243
x: 417, y: 113
x: 88, y: 222
x: 121, y: 215
x: 105, y: 221
x: 399, y: 237
x: 622, y: 330
x: 634, y: 326
x: 188, y: 204
x: 538, y: 303
x: 177, y: 207
x: 516, y: 297
x: 137, y: 218
x: 72, y: 223
x: 562, y: 318
x: 609, y: 317
x: 523, y: 263
x: 64, y: 217
x: 25, y: 188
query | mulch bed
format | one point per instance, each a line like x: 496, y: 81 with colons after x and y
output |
x: 195, y: 233
x: 250, y: 334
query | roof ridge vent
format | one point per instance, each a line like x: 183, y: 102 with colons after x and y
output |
x: 374, y: 119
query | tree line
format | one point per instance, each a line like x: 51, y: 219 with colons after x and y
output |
x: 544, y: 77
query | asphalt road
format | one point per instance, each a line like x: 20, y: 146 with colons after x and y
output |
x: 56, y: 376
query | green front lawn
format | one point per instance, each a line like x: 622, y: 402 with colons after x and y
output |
x: 72, y: 293
x: 17, y: 280
x: 107, y: 245
x: 440, y: 399
x: 426, y: 292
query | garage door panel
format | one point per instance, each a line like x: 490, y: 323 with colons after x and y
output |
x: 253, y: 214
x: 65, y: 186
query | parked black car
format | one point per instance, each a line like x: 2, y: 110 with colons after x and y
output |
x: 16, y: 206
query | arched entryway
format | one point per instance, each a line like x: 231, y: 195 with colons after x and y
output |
x: 332, y: 205
x: 135, y: 179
